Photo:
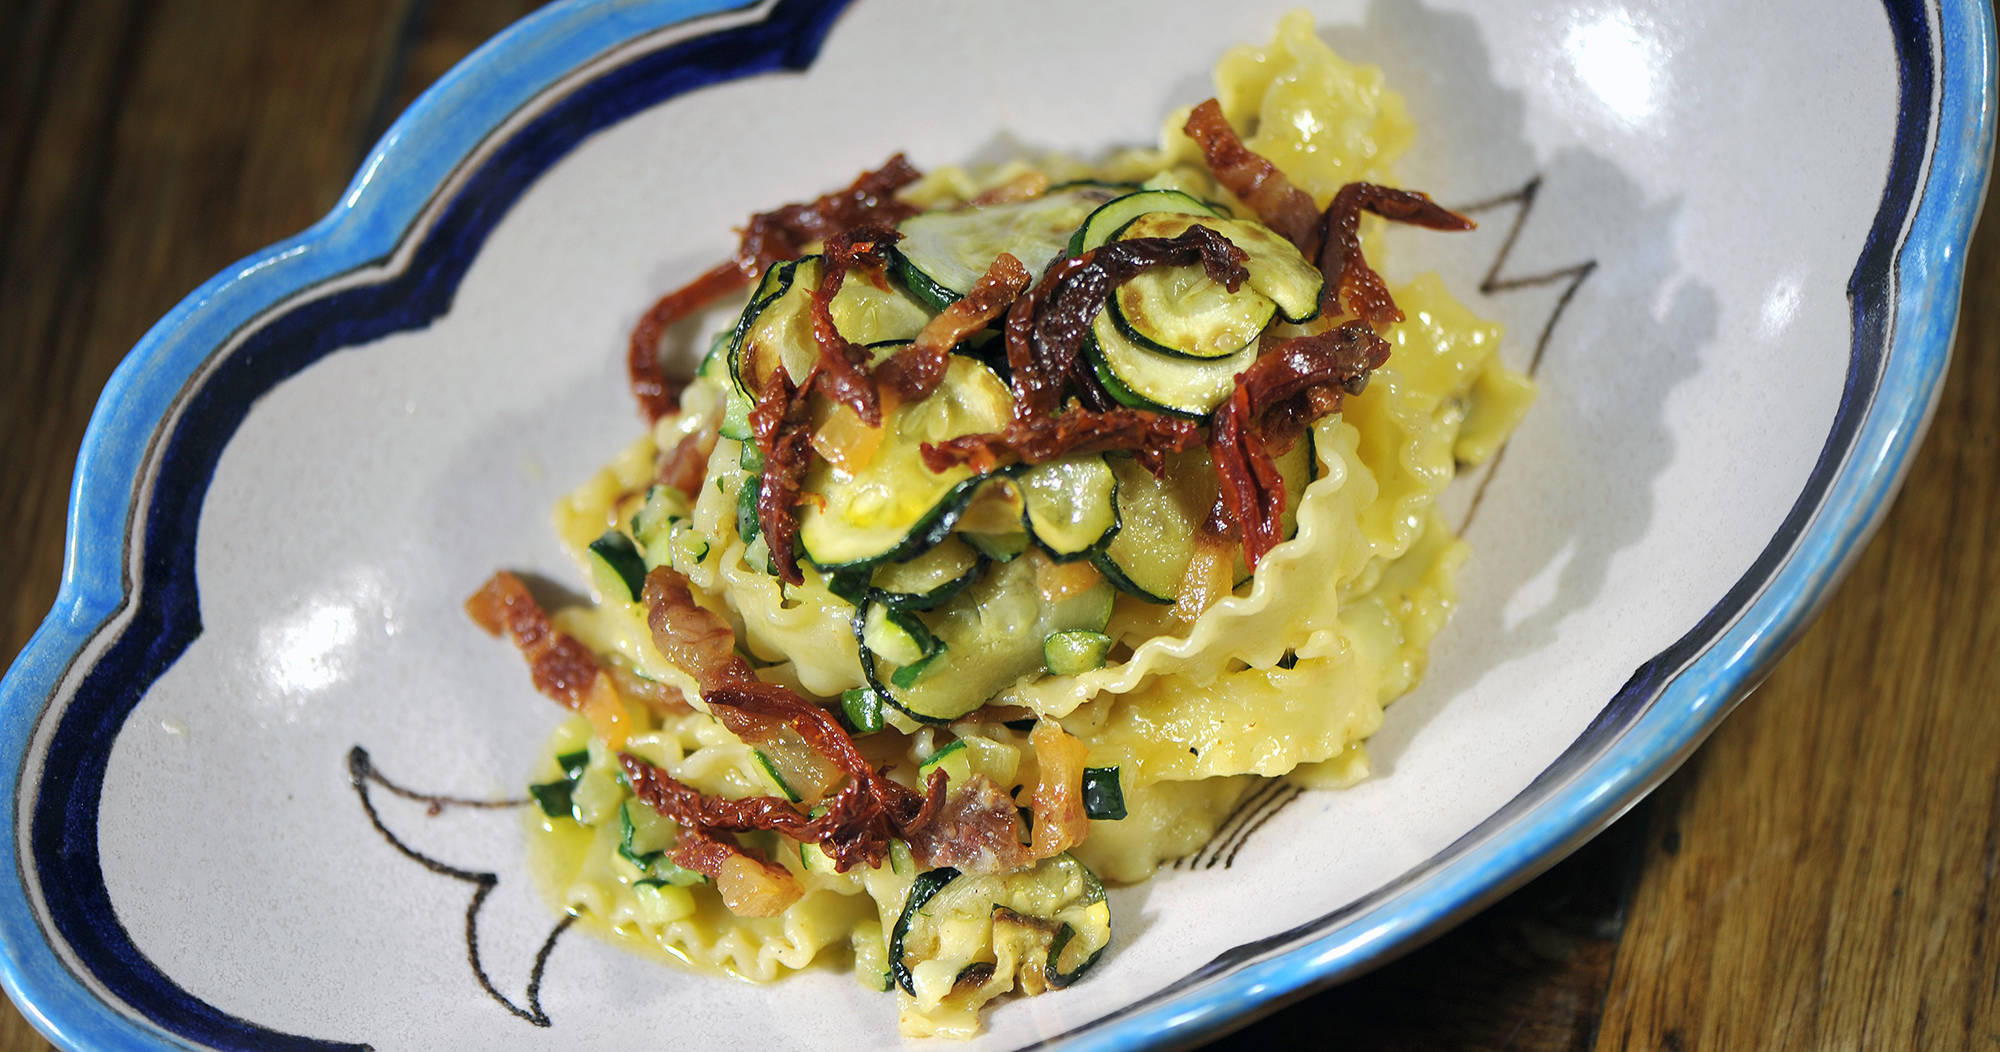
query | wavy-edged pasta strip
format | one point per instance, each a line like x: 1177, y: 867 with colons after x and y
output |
x: 1352, y: 521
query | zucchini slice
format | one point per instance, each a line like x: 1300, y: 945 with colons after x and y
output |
x: 1183, y: 312
x: 928, y: 579
x: 953, y: 759
x: 1074, y: 651
x: 1277, y: 272
x: 663, y: 506
x: 999, y: 547
x: 874, y: 316
x: 862, y: 710
x: 986, y: 638
x: 1148, y: 557
x: 616, y: 567
x: 1069, y: 505
x: 715, y: 368
x: 1147, y: 379
x: 554, y: 797
x: 896, y: 636
x: 776, y: 327
x: 943, y: 254
x: 895, y: 506
x: 1103, y: 799
x: 1105, y: 223
x: 950, y: 922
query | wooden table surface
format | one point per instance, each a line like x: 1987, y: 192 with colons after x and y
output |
x: 1820, y: 875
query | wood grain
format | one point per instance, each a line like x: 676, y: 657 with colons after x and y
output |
x: 1820, y: 875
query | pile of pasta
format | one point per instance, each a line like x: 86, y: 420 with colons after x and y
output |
x: 1284, y: 676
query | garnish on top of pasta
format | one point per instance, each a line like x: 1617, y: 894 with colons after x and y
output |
x: 1021, y: 523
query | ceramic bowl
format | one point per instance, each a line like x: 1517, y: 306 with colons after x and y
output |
x: 1727, y: 239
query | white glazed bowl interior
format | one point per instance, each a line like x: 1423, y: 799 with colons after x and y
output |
x: 1718, y: 166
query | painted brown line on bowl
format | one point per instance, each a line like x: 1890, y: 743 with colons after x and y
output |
x: 1493, y: 284
x: 362, y: 773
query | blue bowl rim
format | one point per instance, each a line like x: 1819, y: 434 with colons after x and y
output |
x: 1948, y: 72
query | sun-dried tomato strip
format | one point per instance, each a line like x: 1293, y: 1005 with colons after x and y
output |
x: 699, y: 642
x: 781, y: 233
x: 1332, y: 239
x: 915, y: 371
x: 699, y: 851
x: 907, y: 808
x: 859, y: 820
x: 854, y: 827
x: 784, y: 232
x: 781, y: 424
x: 1348, y: 275
x: 1275, y: 398
x: 750, y: 884
x: 1074, y: 430
x: 1046, y: 328
x: 1254, y: 180
x: 843, y: 367
x: 561, y: 667
x: 689, y: 806
x: 658, y: 394
x: 691, y: 637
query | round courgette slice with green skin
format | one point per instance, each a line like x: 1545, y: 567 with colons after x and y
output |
x: 1069, y: 505
x: 1146, y: 379
x: 986, y: 638
x: 1181, y: 311
x: 950, y: 919
x: 928, y: 579
x: 943, y: 254
x: 1112, y: 217
x: 894, y: 506
x: 1276, y: 271
x: 1159, y: 519
x: 777, y: 327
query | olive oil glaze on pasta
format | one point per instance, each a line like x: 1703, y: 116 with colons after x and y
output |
x: 1023, y: 522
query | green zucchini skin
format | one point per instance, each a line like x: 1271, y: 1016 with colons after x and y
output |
x: 1006, y: 892
x: 1103, y: 797
x: 895, y: 507
x: 1149, y: 556
x: 775, y: 283
x: 929, y: 531
x: 861, y: 709
x: 987, y: 638
x: 1111, y: 217
x: 618, y: 566
x: 1146, y: 379
x: 1069, y: 506
x: 922, y: 891
x: 1074, y: 651
x: 911, y: 585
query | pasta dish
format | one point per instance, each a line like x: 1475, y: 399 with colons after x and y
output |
x: 1021, y: 522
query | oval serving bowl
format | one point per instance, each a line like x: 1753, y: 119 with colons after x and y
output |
x: 252, y: 734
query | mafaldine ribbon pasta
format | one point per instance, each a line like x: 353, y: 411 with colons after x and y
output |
x: 1022, y: 522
